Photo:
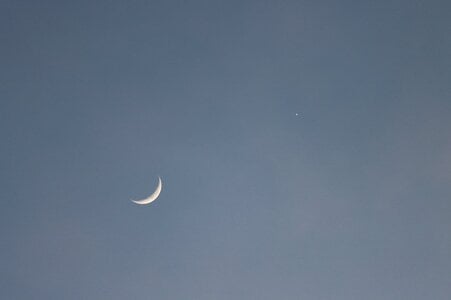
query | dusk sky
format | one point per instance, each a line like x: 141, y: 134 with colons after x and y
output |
x: 304, y: 149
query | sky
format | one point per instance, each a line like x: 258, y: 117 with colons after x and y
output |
x: 304, y: 149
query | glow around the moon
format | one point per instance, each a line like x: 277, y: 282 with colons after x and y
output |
x: 152, y: 197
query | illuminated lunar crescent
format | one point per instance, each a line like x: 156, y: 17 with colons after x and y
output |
x: 152, y: 197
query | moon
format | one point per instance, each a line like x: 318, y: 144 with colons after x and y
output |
x: 152, y: 197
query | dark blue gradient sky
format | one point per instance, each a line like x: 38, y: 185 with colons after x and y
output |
x: 349, y: 200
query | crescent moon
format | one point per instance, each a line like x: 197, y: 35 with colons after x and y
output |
x: 152, y: 197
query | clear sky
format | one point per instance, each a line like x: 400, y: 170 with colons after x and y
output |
x: 349, y: 199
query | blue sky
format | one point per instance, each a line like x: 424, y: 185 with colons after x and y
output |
x: 348, y: 200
